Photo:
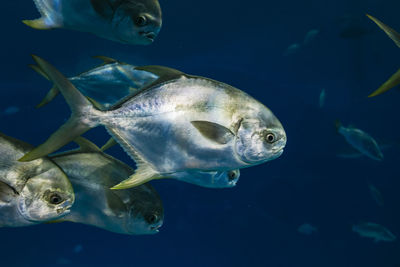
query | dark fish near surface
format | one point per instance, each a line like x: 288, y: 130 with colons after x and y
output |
x: 179, y: 123
x: 361, y: 141
x: 394, y: 80
x: 30, y: 192
x: 124, y: 21
x: 375, y: 231
x: 107, y: 83
x: 376, y: 194
x: 133, y: 211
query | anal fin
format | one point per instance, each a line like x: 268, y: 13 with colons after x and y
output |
x: 144, y: 171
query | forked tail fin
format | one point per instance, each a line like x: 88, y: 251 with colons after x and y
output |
x: 81, y: 112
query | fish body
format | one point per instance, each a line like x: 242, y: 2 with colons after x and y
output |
x: 133, y: 211
x: 361, y: 141
x: 30, y: 192
x: 374, y: 231
x: 307, y: 229
x: 310, y: 36
x: 211, y: 179
x: 322, y: 97
x: 180, y: 123
x: 124, y: 21
x: 107, y: 83
x: 376, y: 194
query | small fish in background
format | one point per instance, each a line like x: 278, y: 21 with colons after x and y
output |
x: 352, y: 27
x: 376, y: 194
x: 355, y: 154
x: 78, y: 249
x: 126, y: 21
x: 361, y: 141
x: 310, y: 36
x: 11, y: 110
x: 307, y: 229
x: 374, y: 231
x: 292, y: 49
x: 322, y: 97
x: 394, y: 80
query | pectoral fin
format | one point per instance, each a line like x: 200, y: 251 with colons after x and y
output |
x: 7, y: 193
x: 214, y: 132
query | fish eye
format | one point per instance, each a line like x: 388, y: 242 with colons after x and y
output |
x: 152, y: 218
x: 270, y: 138
x: 141, y: 21
x: 231, y: 175
x: 55, y: 199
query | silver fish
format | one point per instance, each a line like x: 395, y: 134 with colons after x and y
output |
x: 209, y: 179
x: 361, y: 141
x: 310, y: 36
x: 322, y: 97
x: 375, y: 231
x: 179, y: 123
x: 376, y: 194
x: 30, y: 192
x: 125, y: 21
x: 307, y: 229
x: 134, y: 211
x: 106, y: 84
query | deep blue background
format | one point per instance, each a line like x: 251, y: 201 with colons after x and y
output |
x: 255, y: 224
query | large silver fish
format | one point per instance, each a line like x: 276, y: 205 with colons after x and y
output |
x: 107, y: 83
x: 374, y: 231
x: 178, y: 123
x: 124, y: 21
x: 361, y: 141
x: 30, y: 192
x: 134, y: 211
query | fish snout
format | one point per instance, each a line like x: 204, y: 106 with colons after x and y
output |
x: 149, y: 35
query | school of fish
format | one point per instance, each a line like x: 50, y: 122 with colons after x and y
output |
x: 171, y: 124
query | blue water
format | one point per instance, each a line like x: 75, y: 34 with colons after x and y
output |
x: 243, y: 44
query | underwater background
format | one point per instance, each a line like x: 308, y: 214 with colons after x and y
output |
x: 245, y: 44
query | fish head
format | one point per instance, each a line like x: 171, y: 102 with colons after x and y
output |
x: 137, y: 22
x: 146, y: 212
x: 46, y: 196
x: 226, y: 179
x: 260, y: 138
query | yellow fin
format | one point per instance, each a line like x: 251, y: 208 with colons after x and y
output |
x: 38, y: 24
x: 389, y: 84
x: 110, y: 143
x: 395, y: 36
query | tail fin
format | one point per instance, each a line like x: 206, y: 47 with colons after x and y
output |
x: 393, y: 81
x: 51, y: 15
x: 395, y: 36
x: 53, y: 91
x: 78, y: 123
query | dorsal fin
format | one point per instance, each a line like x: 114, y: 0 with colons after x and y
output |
x: 164, y: 74
x: 106, y: 60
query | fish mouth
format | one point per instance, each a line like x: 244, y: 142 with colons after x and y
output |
x: 155, y: 228
x: 148, y: 35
